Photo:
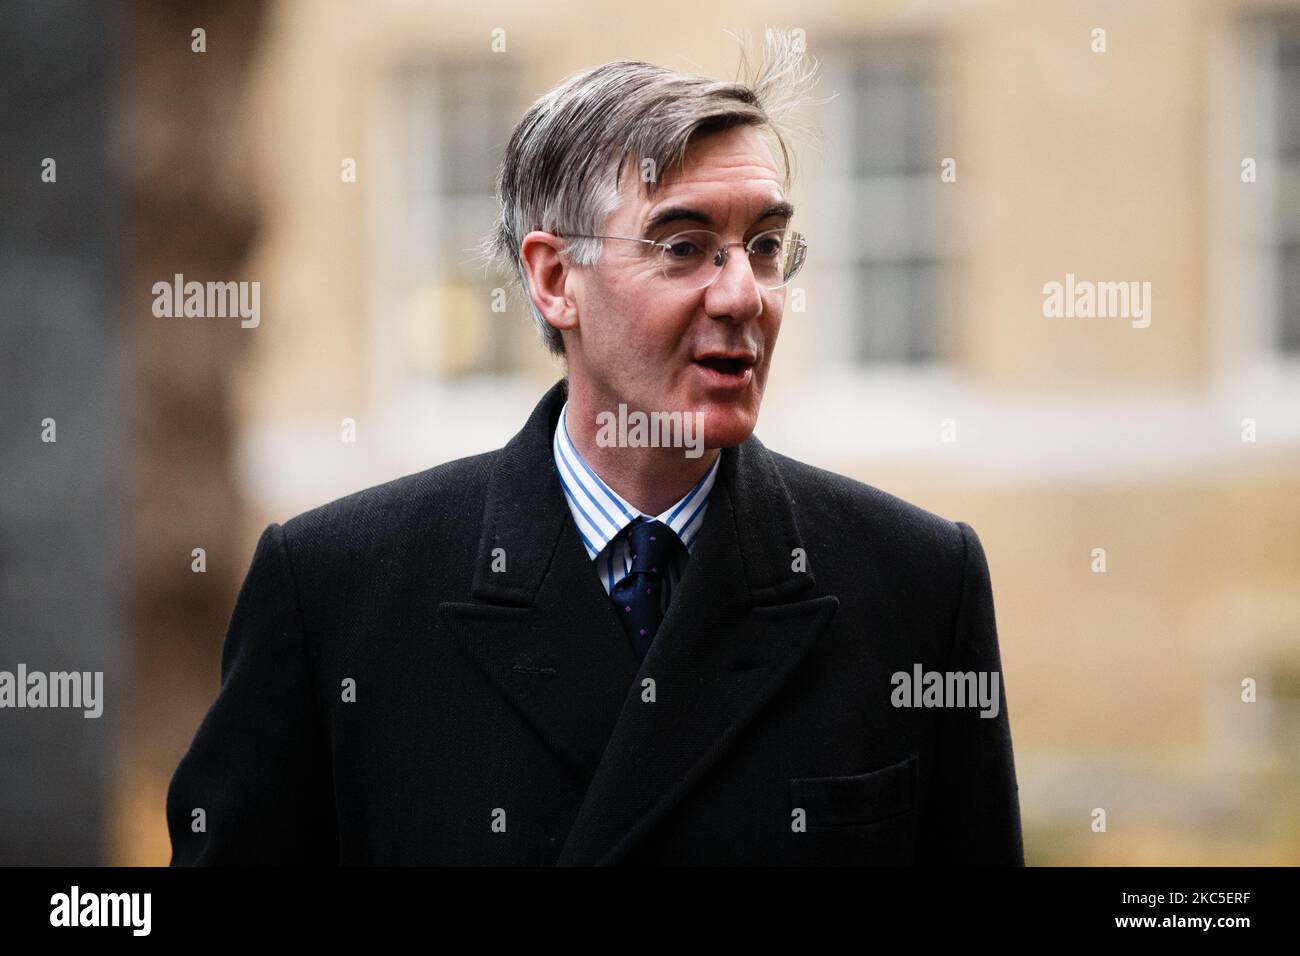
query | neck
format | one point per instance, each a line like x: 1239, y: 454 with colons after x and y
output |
x: 650, y: 479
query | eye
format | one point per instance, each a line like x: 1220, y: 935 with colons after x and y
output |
x: 684, y: 249
x: 768, y: 246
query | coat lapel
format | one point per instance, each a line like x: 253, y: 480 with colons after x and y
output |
x: 737, y: 628
x: 541, y: 626
x: 545, y: 633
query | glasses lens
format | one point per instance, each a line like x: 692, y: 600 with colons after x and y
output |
x: 776, y: 256
x: 796, y: 251
x: 691, y: 258
x: 767, y: 256
x: 694, y: 258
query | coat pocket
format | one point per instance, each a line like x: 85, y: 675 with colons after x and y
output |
x: 858, y: 799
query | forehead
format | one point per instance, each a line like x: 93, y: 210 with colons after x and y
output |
x: 732, y: 169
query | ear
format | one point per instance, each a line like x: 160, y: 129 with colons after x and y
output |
x: 548, y: 274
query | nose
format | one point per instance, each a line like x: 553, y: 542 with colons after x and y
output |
x: 734, y: 295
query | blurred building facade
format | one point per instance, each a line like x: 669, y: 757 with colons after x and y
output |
x: 973, y: 154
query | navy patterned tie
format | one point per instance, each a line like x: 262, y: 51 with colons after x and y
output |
x: 637, y: 598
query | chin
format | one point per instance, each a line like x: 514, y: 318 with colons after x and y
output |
x: 726, y: 426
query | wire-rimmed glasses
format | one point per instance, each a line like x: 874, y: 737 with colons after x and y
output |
x: 695, y: 258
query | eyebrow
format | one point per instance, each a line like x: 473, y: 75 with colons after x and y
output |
x: 687, y: 214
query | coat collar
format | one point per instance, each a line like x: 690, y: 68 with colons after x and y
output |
x: 526, y: 510
x: 543, y: 630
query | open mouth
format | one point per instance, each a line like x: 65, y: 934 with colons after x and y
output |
x: 727, y: 366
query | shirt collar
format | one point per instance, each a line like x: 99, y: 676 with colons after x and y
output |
x: 600, y: 513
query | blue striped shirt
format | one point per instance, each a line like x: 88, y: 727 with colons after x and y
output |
x: 601, y: 514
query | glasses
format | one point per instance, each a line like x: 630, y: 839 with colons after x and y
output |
x: 695, y: 258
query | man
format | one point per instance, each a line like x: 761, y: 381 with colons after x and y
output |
x: 594, y: 647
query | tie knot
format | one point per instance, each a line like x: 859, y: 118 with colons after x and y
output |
x: 652, y: 545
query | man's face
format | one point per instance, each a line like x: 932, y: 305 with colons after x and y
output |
x: 647, y: 342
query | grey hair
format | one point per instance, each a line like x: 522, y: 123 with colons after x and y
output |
x: 565, y: 159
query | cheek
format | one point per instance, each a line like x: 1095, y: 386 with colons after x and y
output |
x: 772, y: 316
x: 612, y: 327
x: 638, y: 312
x: 666, y: 324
